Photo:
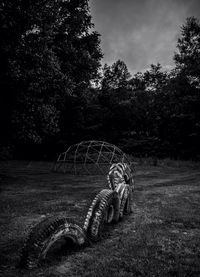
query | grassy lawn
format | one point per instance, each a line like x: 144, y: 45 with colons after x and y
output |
x: 160, y: 238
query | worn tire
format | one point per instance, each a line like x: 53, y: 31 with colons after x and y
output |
x: 123, y: 191
x: 128, y: 204
x: 104, y: 209
x: 112, y: 213
x: 44, y: 235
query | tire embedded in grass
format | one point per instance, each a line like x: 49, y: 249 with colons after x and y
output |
x: 45, y: 235
x: 104, y: 209
x: 128, y: 204
x: 125, y: 202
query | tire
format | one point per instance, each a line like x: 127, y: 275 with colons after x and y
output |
x: 112, y: 214
x: 128, y: 204
x: 125, y: 202
x: 103, y: 210
x: 44, y: 235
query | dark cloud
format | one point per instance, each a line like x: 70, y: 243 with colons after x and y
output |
x: 141, y: 32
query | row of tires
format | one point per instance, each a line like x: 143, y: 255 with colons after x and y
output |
x: 109, y: 206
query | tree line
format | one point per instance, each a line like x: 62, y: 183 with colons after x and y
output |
x: 54, y: 91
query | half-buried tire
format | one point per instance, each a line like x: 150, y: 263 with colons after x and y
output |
x: 128, y: 206
x: 123, y: 191
x: 103, y: 210
x: 45, y: 235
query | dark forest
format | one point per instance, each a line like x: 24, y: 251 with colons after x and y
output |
x: 54, y: 91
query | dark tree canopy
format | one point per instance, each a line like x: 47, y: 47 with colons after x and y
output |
x: 115, y: 76
x: 48, y: 51
x: 50, y: 62
x: 187, y: 58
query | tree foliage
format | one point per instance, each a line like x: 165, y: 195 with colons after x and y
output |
x: 187, y: 58
x: 50, y: 61
x: 48, y: 52
x: 157, y: 111
x: 115, y: 76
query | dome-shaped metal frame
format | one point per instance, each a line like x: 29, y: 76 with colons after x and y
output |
x: 90, y: 157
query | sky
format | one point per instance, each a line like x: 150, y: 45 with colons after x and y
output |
x: 141, y: 32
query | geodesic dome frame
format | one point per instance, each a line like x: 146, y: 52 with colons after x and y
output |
x: 90, y: 157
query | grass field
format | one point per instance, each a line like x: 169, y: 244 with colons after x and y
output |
x: 160, y: 238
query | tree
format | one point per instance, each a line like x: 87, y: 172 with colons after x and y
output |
x: 151, y: 80
x: 49, y: 53
x: 155, y: 78
x: 115, y: 76
x: 187, y: 58
x: 76, y: 43
x: 137, y: 82
x: 179, y: 116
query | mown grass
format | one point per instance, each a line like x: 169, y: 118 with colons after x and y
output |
x: 160, y: 238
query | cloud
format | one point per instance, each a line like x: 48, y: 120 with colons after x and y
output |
x: 141, y: 32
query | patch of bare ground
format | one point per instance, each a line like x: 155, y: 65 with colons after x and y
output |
x: 160, y: 238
